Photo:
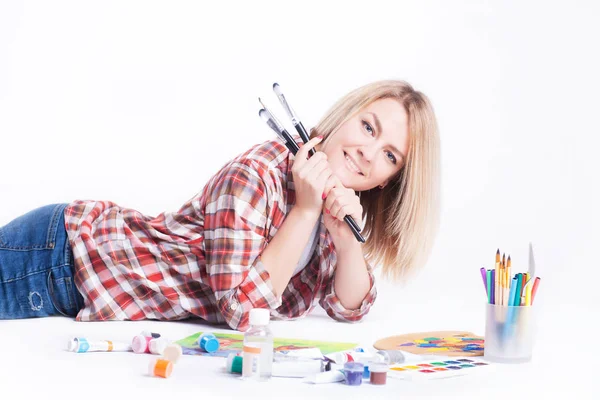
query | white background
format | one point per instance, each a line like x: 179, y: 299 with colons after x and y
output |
x: 141, y: 102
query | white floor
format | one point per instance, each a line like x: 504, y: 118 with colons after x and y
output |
x: 34, y: 362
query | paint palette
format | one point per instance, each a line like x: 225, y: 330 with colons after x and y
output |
x: 438, y: 369
x: 443, y: 343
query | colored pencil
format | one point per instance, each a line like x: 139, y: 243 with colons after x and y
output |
x: 528, y: 288
x: 484, y: 277
x: 517, y: 301
x: 488, y: 274
x: 534, y: 289
x: 524, y: 288
x: 497, y: 277
x: 511, y: 295
x: 508, y: 279
x: 493, y: 286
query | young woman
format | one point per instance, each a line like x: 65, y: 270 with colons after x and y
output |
x: 266, y: 231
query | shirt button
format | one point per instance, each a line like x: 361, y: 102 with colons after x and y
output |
x: 233, y: 306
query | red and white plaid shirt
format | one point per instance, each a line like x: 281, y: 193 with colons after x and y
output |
x: 203, y: 260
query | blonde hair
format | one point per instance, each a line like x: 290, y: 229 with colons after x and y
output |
x: 401, y: 220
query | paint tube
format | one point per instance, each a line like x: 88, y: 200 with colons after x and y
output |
x: 297, y: 369
x: 326, y: 377
x: 392, y: 356
x: 298, y: 354
x: 82, y: 345
x: 342, y: 357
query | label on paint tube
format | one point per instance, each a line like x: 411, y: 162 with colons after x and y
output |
x: 342, y: 357
x: 326, y: 377
x: 83, y: 345
x: 298, y: 354
x: 297, y: 369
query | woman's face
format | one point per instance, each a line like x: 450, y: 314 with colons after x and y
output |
x: 371, y: 147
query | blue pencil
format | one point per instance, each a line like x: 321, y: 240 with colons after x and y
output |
x: 493, y: 288
x: 513, y: 288
x: 517, y: 301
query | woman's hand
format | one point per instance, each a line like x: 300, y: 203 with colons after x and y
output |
x: 312, y: 178
x: 341, y: 201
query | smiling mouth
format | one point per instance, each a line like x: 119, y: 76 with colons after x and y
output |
x: 351, y: 165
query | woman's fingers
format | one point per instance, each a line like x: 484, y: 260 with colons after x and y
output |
x: 341, y: 202
x: 302, y: 154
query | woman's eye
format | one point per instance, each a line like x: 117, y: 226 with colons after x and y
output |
x: 391, y: 157
x: 368, y: 127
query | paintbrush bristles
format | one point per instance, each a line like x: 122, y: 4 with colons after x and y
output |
x: 262, y: 104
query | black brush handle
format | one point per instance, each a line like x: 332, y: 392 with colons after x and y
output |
x: 304, y: 135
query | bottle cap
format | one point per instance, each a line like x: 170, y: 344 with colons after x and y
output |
x: 160, y: 367
x: 234, y: 364
x: 151, y: 334
x: 260, y: 316
x: 157, y: 346
x: 352, y: 366
x: 208, y: 342
x: 173, y: 352
x: 378, y: 367
x: 139, y: 344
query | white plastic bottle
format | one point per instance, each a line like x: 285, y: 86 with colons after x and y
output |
x: 260, y: 335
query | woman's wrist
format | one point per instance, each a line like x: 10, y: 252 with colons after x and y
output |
x: 347, y: 246
x: 307, y: 213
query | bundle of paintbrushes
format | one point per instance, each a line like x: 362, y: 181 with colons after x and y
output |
x: 291, y: 144
x: 503, y: 288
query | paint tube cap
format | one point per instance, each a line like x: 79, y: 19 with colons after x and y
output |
x: 72, y: 345
x: 234, y: 364
x: 160, y: 367
x: 259, y: 316
x: 366, y: 372
x: 150, y: 334
x: 391, y: 356
x: 352, y: 366
x: 208, y: 342
x: 139, y: 344
x: 157, y: 346
x: 173, y: 352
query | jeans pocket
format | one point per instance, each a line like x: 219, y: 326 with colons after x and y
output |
x: 35, y: 230
x: 62, y: 291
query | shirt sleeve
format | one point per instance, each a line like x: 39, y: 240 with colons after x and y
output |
x: 237, y: 220
x: 334, y: 308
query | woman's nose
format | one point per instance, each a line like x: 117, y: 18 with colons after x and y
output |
x: 367, y: 152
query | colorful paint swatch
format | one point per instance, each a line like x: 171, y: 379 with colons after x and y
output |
x: 456, y: 343
x: 438, y: 369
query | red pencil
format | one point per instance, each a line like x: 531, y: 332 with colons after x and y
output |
x: 534, y: 288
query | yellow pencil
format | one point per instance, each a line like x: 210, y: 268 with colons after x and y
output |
x: 497, y: 279
x: 508, y: 280
x: 524, y: 290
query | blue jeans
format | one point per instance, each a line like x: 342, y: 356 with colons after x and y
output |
x: 36, y: 266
